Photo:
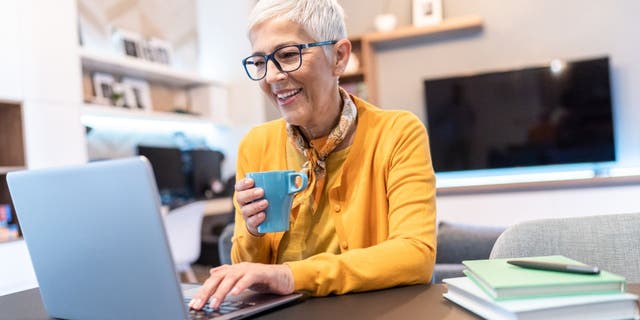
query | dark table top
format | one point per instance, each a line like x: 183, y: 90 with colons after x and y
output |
x: 411, y: 302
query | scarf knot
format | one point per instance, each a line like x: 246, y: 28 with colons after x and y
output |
x: 315, y: 164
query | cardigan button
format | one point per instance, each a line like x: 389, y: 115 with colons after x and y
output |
x: 336, y: 208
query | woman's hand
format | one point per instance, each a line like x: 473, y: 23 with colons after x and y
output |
x: 233, y: 279
x: 252, y: 210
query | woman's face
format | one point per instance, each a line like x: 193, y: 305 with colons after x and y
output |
x: 308, y: 94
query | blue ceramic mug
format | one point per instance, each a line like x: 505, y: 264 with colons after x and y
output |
x: 279, y: 188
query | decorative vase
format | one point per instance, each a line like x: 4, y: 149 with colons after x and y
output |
x: 385, y: 22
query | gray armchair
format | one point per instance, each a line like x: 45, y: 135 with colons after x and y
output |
x: 457, y: 242
x: 611, y: 242
x: 224, y: 244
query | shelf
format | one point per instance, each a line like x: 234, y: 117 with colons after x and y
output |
x: 368, y: 42
x: 118, y: 112
x: 584, y: 182
x: 452, y: 24
x: 12, y: 150
x: 352, y: 77
x: 9, y: 101
x: 357, y: 74
x: 134, y: 67
x: 5, y: 170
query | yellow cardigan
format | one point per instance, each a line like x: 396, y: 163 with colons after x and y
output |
x: 383, y: 207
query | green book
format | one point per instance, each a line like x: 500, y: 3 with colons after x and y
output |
x: 501, y: 280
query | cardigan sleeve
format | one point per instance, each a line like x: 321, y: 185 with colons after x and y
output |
x: 407, y: 255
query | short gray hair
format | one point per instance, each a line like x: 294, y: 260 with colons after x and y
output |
x: 322, y: 19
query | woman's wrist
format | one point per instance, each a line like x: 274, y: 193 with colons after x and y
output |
x: 285, y: 279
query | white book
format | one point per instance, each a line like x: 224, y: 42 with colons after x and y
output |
x: 464, y: 292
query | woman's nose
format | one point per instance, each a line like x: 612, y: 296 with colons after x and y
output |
x: 273, y: 72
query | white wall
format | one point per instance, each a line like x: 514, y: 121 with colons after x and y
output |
x: 509, y: 207
x: 51, y: 83
x: 521, y: 33
x: 10, y: 55
x: 223, y: 42
x: 515, y: 34
x: 39, y: 68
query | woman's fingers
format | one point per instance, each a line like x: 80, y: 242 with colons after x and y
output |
x: 246, y: 193
x: 233, y: 279
x: 225, y: 287
x: 251, y: 204
x: 208, y: 288
x: 244, y: 184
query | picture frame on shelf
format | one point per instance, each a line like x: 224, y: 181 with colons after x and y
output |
x: 103, y: 87
x: 129, y: 97
x: 128, y: 43
x: 139, y: 93
x: 160, y: 50
x: 137, y: 46
x: 427, y: 12
x: 146, y: 51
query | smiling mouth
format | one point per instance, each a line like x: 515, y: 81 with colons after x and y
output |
x: 285, y: 95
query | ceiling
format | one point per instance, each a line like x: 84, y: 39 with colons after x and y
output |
x: 171, y: 20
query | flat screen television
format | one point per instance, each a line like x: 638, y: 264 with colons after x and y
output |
x: 560, y: 113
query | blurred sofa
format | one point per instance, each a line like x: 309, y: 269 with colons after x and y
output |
x: 458, y: 242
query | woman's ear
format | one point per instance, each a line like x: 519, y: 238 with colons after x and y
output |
x: 342, y: 51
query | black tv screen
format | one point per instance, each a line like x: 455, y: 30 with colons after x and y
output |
x: 205, y: 169
x: 168, y: 169
x: 560, y: 113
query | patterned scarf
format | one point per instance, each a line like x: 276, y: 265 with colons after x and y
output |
x: 315, y: 167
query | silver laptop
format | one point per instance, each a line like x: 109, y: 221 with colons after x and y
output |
x: 99, y: 248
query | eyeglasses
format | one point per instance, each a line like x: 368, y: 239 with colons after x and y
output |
x: 286, y: 59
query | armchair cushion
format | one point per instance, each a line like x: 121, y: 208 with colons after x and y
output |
x: 457, y: 242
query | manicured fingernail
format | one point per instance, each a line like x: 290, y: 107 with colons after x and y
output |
x: 235, y: 291
x: 257, y: 192
x: 194, y: 303
x: 212, y: 302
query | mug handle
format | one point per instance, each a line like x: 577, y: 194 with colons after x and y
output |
x: 292, y: 182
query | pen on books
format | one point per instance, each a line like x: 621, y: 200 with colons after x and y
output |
x: 555, y: 266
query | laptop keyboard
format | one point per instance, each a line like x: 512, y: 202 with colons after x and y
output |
x: 225, y: 307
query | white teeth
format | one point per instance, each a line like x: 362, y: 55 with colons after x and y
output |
x: 288, y: 94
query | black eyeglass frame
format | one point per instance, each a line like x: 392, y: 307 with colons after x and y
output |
x: 271, y: 56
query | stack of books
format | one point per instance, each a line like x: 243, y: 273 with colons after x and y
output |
x: 495, y: 289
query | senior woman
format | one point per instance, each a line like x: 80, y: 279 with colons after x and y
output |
x: 367, y: 219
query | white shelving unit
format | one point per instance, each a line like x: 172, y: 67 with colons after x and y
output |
x: 117, y: 112
x: 5, y: 170
x: 121, y: 65
x: 134, y: 67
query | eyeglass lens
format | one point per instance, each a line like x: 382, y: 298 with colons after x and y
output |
x: 286, y: 59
